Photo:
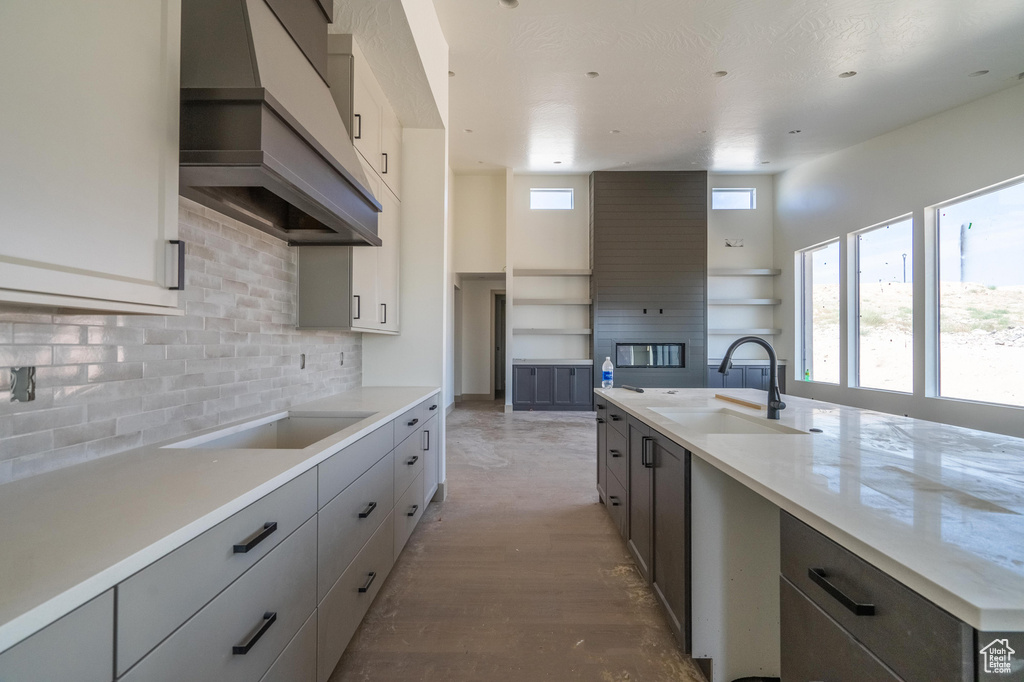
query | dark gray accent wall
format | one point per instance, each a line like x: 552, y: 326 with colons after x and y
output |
x: 649, y: 260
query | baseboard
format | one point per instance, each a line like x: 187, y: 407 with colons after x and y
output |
x: 477, y: 396
x: 449, y: 409
x: 458, y: 398
x: 508, y: 408
x: 441, y: 494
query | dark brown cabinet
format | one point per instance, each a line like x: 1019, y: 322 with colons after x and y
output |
x: 552, y: 387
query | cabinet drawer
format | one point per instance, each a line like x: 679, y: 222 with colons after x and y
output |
x: 618, y: 419
x: 618, y: 455
x: 204, y: 649
x: 339, y: 471
x: 341, y: 611
x: 76, y: 647
x: 412, y: 419
x: 618, y: 505
x: 152, y: 603
x: 408, y: 512
x: 915, y: 638
x: 297, y: 663
x: 815, y: 647
x: 410, y: 456
x: 348, y: 521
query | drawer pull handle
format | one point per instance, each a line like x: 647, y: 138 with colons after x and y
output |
x: 818, y: 577
x: 412, y: 512
x: 615, y: 501
x: 414, y: 422
x: 600, y: 420
x: 369, y: 510
x: 600, y: 406
x: 647, y: 452
x: 616, y: 418
x: 426, y: 440
x: 369, y: 581
x: 433, y: 407
x: 268, y: 529
x: 242, y: 649
x: 415, y: 458
x: 615, y: 453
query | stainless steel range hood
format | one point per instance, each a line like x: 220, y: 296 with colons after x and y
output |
x: 261, y: 137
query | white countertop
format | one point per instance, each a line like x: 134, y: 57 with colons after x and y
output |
x: 71, y: 534
x: 939, y: 508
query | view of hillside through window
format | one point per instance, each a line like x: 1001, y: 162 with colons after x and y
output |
x: 981, y: 297
x: 821, y: 313
x: 885, y: 307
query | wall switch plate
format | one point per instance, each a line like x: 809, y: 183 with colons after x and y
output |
x: 23, y: 384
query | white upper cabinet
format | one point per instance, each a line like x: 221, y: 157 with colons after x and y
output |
x: 388, y: 260
x: 89, y: 154
x: 391, y: 151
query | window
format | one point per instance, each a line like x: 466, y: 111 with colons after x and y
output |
x: 885, y: 307
x: 981, y: 297
x: 733, y: 198
x: 551, y: 199
x: 819, y: 312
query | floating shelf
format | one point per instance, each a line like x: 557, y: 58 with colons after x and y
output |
x: 550, y: 332
x: 744, y: 301
x: 550, y: 273
x: 743, y: 272
x: 744, y: 331
x: 551, y: 301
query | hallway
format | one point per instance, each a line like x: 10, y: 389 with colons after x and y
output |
x: 520, y: 575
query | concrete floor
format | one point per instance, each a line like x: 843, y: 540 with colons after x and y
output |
x: 520, y: 575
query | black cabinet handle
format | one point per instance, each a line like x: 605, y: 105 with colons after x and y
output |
x: 369, y: 581
x: 616, y: 418
x: 615, y: 501
x: 359, y: 307
x: 647, y: 452
x: 426, y: 440
x: 359, y: 120
x: 268, y: 529
x: 600, y: 420
x: 600, y: 406
x: 385, y: 315
x: 415, y: 458
x: 615, y: 453
x: 181, y: 265
x: 242, y: 649
x: 433, y: 407
x: 412, y: 512
x: 818, y: 577
x: 369, y: 510
x: 385, y: 171
x: 414, y: 422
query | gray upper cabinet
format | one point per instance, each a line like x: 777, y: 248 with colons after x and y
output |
x: 89, y: 155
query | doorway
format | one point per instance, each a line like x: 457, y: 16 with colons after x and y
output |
x: 499, y: 346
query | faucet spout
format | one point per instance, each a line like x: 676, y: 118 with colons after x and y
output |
x: 775, y: 404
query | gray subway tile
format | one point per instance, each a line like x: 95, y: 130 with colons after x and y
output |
x: 21, y: 356
x: 47, y: 334
x: 79, y: 355
x: 115, y: 371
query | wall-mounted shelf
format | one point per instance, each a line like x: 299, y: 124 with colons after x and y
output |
x: 551, y: 301
x: 743, y: 272
x: 744, y: 301
x: 551, y: 332
x: 744, y: 331
x: 525, y: 272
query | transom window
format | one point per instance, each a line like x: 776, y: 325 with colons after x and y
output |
x: 557, y: 199
x: 733, y: 198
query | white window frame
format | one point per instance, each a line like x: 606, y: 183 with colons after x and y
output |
x: 749, y: 191
x: 804, y: 337
x: 553, y: 190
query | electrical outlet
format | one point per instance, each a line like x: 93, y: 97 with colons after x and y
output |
x: 23, y: 384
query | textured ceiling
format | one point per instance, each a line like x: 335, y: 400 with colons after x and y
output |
x: 520, y: 82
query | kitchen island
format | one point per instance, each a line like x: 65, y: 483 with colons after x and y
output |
x: 940, y: 509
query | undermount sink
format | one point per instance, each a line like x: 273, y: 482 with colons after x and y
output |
x: 280, y: 432
x: 723, y: 422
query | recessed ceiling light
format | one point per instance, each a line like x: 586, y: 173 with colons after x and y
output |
x: 558, y: 162
x: 451, y: 73
x: 479, y: 161
x: 848, y: 74
x: 794, y: 132
x: 703, y: 132
x: 509, y: 4
x: 720, y: 74
x: 615, y: 132
x: 977, y: 73
x: 592, y: 74
x: 467, y: 130
x: 764, y: 163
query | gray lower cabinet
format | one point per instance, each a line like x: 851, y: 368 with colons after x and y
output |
x: 602, y: 448
x: 77, y: 647
x: 297, y: 663
x: 552, y: 387
x: 238, y: 635
x: 671, y: 505
x: 641, y: 496
x: 912, y: 637
x: 745, y: 376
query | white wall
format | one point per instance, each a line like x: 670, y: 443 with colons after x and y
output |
x: 478, y: 215
x: 478, y: 334
x: 755, y: 229
x: 906, y: 171
x: 551, y: 239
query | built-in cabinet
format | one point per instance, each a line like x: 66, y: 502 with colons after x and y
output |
x: 745, y: 376
x: 90, y: 156
x: 552, y: 387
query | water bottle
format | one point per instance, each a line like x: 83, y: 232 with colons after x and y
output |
x: 606, y: 373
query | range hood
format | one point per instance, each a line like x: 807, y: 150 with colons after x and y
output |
x: 261, y: 137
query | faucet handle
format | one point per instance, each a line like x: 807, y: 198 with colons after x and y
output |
x: 777, y: 405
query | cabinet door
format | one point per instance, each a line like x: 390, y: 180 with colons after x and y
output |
x: 431, y: 460
x: 366, y: 115
x: 391, y: 151
x: 524, y: 385
x: 715, y: 379
x: 388, y: 256
x: 672, y: 534
x: 640, y: 488
x: 563, y: 388
x: 602, y: 449
x: 583, y: 387
x: 545, y: 385
x: 365, y: 299
x: 755, y: 376
x: 89, y: 154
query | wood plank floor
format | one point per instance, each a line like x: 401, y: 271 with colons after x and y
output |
x: 520, y: 574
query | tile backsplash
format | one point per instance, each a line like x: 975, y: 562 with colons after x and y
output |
x: 108, y: 383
